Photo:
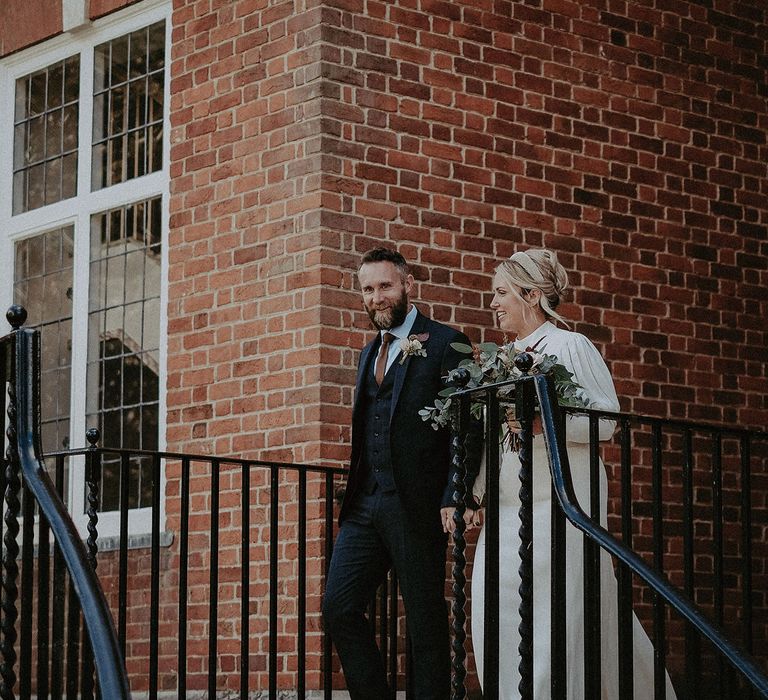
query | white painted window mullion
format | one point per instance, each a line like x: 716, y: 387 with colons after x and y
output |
x: 77, y: 212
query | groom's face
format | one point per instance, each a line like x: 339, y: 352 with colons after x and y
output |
x: 386, y: 294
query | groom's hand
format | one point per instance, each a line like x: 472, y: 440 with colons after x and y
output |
x: 471, y: 518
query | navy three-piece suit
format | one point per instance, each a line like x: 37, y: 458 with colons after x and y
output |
x: 390, y: 516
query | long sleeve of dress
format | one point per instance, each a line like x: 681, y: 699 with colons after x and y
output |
x: 579, y: 355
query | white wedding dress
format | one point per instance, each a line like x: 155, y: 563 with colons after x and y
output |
x: 581, y: 357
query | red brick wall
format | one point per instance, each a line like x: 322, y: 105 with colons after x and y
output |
x: 27, y: 22
x: 248, y: 344
x: 246, y: 263
x: 632, y: 141
x: 632, y: 144
x: 99, y: 8
x: 629, y: 137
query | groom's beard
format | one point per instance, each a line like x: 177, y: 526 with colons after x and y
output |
x: 392, y: 317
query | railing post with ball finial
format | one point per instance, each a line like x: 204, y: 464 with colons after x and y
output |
x: 25, y: 459
x: 16, y: 316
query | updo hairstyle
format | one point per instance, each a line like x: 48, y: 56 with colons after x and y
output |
x: 537, y: 269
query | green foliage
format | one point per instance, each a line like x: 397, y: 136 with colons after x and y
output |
x: 490, y: 364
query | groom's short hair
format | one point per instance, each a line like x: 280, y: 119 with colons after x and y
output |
x: 386, y: 255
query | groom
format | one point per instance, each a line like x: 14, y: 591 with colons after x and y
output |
x: 398, y: 481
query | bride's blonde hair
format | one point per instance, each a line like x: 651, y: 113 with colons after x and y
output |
x: 537, y: 269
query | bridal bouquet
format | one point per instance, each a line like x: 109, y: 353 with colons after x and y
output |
x: 491, y: 363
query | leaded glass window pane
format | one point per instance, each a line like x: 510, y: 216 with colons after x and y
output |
x: 45, y: 136
x: 43, y: 286
x: 128, y: 84
x: 123, y: 340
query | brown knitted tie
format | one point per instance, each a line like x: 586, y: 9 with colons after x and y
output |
x: 381, y: 360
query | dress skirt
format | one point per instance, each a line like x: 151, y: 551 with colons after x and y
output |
x: 509, y: 597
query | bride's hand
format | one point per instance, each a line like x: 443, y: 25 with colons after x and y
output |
x: 471, y: 518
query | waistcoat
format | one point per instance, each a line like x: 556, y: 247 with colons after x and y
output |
x: 377, y: 456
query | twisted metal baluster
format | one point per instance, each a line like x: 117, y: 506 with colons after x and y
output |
x: 491, y: 648
x: 92, y: 435
x: 524, y: 392
x: 10, y: 557
x: 459, y: 691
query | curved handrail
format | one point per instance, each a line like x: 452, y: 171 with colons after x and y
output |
x: 566, y: 496
x: 113, y: 681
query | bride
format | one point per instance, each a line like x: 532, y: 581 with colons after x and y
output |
x: 527, y: 290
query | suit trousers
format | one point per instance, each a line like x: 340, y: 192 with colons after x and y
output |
x: 374, y: 536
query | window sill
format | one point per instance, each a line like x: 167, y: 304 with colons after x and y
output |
x: 111, y: 543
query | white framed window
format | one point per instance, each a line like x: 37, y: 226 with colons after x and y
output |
x: 84, y: 176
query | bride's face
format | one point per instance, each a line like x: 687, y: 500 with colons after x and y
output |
x: 515, y: 313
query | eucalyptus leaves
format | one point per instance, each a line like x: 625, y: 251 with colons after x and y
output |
x: 491, y: 363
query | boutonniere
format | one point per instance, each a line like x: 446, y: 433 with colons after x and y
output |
x: 413, y: 345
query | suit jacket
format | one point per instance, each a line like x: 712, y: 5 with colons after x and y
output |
x: 421, y: 455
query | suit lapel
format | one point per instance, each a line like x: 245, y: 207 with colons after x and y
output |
x: 401, y: 369
x: 369, y: 351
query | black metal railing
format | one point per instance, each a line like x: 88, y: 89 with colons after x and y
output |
x: 222, y: 594
x: 225, y: 596
x: 241, y: 578
x: 689, y: 524
x: 215, y: 586
x: 31, y: 499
